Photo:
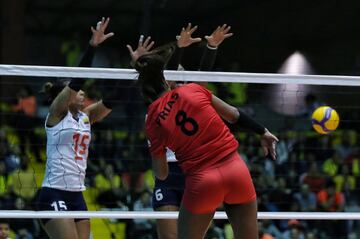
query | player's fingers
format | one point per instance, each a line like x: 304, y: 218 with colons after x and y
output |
x: 198, y: 39
x: 193, y: 30
x: 106, y: 23
x: 130, y: 49
x: 228, y: 35
x: 92, y: 30
x: 109, y: 35
x: 227, y: 29
x: 150, y: 46
x: 273, y: 153
x: 141, y: 39
x: 98, y: 25
x: 266, y: 151
x: 273, y: 149
x: 147, y: 41
x: 188, y: 27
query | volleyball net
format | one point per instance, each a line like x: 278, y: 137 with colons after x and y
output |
x: 315, y: 177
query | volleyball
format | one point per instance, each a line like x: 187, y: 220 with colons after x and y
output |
x: 325, y: 120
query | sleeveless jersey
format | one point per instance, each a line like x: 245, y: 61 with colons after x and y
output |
x: 67, y: 152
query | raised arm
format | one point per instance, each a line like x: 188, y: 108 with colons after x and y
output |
x: 237, y: 116
x: 60, y: 105
x: 98, y: 36
x: 100, y: 109
x: 184, y: 39
x: 213, y: 42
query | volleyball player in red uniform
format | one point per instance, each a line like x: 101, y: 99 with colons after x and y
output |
x: 188, y: 120
x: 168, y: 193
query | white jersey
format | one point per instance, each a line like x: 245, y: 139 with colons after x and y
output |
x: 67, y: 151
x: 170, y: 155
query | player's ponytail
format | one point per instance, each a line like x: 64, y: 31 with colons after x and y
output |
x: 151, y: 66
x: 52, y: 89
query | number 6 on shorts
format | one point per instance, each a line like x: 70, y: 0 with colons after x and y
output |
x: 158, y: 195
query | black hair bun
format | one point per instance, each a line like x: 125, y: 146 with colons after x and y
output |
x: 150, y: 63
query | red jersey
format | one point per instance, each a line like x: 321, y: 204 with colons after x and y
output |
x: 184, y: 121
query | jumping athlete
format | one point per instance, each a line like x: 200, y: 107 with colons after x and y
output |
x: 68, y: 131
x: 188, y: 120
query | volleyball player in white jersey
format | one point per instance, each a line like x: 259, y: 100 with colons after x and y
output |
x: 168, y: 193
x: 68, y: 133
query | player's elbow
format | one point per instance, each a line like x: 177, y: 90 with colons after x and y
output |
x: 233, y: 115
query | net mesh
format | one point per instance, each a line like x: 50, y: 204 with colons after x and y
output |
x: 119, y: 175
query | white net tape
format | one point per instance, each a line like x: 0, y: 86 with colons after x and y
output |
x: 106, y: 73
x: 174, y: 215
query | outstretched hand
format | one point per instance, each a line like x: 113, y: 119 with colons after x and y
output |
x: 185, y: 39
x: 268, y: 143
x: 143, y: 48
x: 98, y: 33
x: 219, y: 35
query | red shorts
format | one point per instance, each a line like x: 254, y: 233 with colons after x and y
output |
x: 230, y: 182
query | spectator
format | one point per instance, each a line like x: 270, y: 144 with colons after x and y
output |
x: 280, y: 197
x: 353, y: 226
x: 269, y: 228
x: 344, y: 149
x: 111, y: 194
x: 3, y: 181
x: 310, y: 235
x: 314, y: 178
x: 329, y: 200
x: 25, y: 121
x: 26, y: 102
x: 24, y: 228
x: 106, y: 179
x: 323, y: 148
x: 305, y: 199
x: 331, y: 165
x: 295, y: 230
x: 22, y: 183
x: 353, y: 161
x: 344, y: 181
x: 4, y: 229
x: 9, y: 159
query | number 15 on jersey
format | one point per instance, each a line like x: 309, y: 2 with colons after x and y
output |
x: 81, y: 142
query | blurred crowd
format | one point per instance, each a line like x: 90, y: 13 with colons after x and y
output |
x: 312, y: 173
